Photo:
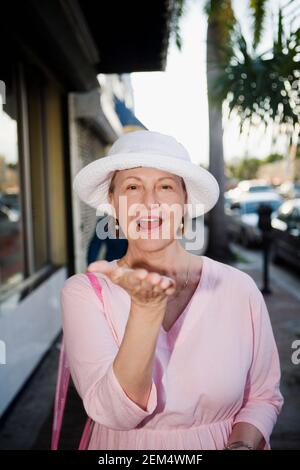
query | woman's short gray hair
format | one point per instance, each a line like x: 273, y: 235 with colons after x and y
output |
x: 112, y: 187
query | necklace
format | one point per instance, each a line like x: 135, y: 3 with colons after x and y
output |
x: 185, y: 284
x: 187, y: 277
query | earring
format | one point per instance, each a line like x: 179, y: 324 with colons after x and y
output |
x: 182, y: 225
x: 117, y: 228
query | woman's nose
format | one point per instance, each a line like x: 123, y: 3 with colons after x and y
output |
x: 150, y: 199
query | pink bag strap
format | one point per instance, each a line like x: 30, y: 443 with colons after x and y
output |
x: 86, y: 435
x: 63, y: 380
x: 96, y: 285
x: 62, y: 385
x: 98, y: 289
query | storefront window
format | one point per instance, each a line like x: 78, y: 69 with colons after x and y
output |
x: 11, y: 236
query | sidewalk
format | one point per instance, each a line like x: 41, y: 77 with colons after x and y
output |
x: 284, y: 309
x: 28, y: 423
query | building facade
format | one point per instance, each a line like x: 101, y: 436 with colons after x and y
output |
x: 55, y: 117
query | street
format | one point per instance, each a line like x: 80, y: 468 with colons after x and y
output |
x: 284, y: 308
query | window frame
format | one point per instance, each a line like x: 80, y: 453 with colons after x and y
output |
x: 31, y: 277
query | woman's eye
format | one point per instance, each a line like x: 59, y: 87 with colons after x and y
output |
x: 131, y: 186
x: 166, y: 186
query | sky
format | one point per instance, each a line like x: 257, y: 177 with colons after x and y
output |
x: 8, y: 137
x: 175, y: 101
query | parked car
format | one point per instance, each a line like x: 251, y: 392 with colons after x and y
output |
x: 10, y: 200
x: 286, y: 233
x: 290, y: 190
x: 243, y: 216
x: 255, y: 186
x: 9, y: 225
x: 228, y: 199
x: 196, y: 235
x: 249, y: 186
x: 9, y: 203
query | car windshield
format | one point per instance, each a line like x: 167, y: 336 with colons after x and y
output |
x: 252, y: 207
x: 260, y: 188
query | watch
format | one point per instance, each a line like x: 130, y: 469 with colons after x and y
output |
x: 237, y: 445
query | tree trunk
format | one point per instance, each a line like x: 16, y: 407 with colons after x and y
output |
x: 218, y: 244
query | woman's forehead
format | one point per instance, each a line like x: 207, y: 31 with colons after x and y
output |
x: 144, y: 173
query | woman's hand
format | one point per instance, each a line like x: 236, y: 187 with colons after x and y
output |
x: 146, y: 289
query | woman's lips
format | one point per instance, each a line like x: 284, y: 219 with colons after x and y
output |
x: 147, y: 225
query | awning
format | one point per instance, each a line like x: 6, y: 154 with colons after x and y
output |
x: 130, y: 36
x: 74, y: 41
x: 126, y: 116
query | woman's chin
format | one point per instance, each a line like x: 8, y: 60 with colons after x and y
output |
x: 150, y: 243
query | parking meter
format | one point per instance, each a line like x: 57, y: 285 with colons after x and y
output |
x: 264, y: 224
x: 264, y: 218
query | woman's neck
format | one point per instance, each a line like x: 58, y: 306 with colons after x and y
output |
x: 172, y: 260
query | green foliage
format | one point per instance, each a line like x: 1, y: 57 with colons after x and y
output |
x: 273, y: 157
x: 265, y: 87
x: 259, y: 88
x: 244, y: 169
x: 12, y: 166
x: 247, y: 168
x: 219, y: 13
x: 258, y: 8
x: 221, y: 19
x: 178, y: 13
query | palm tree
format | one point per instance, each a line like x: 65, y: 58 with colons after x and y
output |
x: 221, y: 22
x: 266, y: 87
x: 220, y: 25
x: 239, y: 81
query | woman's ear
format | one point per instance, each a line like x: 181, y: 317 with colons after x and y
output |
x: 111, y: 200
x: 185, y: 210
x: 184, y: 190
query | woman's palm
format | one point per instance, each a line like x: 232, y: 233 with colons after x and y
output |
x: 144, y: 287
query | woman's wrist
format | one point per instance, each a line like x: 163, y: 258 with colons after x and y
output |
x: 248, y: 436
x: 149, y: 311
x: 238, y: 445
x: 145, y: 319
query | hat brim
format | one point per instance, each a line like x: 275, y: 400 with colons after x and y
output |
x: 92, y: 182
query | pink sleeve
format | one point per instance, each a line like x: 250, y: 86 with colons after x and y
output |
x: 91, y: 349
x: 262, y: 398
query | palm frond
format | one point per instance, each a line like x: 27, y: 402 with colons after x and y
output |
x: 221, y: 18
x: 263, y: 89
x: 258, y: 8
x: 179, y: 10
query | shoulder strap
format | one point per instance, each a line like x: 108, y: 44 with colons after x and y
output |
x: 98, y: 289
x: 96, y: 285
x: 86, y: 435
x: 63, y: 380
x: 62, y: 385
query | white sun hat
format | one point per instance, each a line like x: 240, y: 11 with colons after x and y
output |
x: 152, y: 149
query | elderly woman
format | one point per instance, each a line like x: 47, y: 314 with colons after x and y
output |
x: 181, y: 353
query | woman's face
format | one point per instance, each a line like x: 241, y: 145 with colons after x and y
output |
x: 149, y: 204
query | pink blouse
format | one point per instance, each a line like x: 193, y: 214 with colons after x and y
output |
x: 217, y: 365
